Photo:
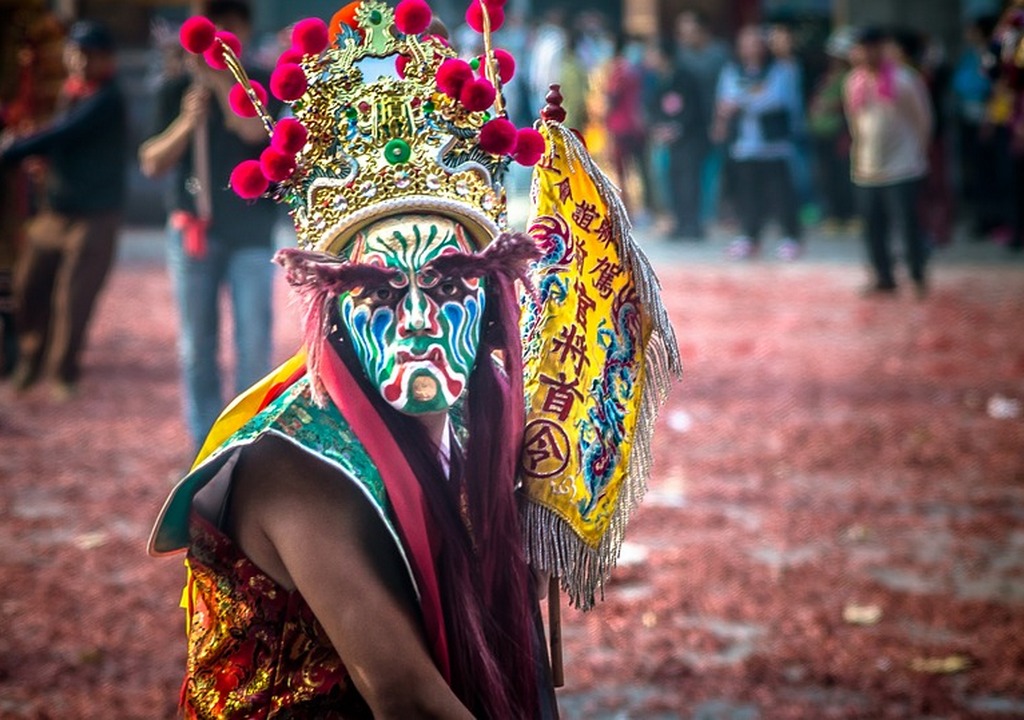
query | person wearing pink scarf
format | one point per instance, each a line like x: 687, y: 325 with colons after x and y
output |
x: 890, y: 119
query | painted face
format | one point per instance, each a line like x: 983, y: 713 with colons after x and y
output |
x: 416, y: 336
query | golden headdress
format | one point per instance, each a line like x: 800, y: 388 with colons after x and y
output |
x: 385, y: 119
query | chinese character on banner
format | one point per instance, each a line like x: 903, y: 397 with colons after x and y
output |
x: 584, y: 304
x: 606, y: 272
x: 604, y: 232
x: 564, y: 190
x: 572, y: 343
x: 561, y: 396
x: 585, y: 215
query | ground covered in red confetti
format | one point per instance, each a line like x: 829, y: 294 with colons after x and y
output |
x: 835, y: 528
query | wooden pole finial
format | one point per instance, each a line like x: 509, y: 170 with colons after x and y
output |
x: 553, y: 111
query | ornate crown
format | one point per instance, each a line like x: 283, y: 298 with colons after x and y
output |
x: 386, y: 119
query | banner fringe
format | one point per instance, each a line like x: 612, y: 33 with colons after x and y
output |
x: 551, y: 544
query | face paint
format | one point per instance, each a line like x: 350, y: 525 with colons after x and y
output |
x: 417, y: 336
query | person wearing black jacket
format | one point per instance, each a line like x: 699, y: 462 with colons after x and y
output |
x: 216, y: 240
x: 678, y: 120
x: 71, y: 243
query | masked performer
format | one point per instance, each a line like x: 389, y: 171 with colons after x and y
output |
x: 360, y: 525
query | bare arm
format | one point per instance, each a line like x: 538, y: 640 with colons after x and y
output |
x: 313, y: 530
x: 162, y: 152
x: 249, y: 130
x: 851, y: 122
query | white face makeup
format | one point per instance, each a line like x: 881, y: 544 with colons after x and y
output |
x: 417, y: 335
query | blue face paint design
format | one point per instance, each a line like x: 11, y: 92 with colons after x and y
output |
x: 416, y: 337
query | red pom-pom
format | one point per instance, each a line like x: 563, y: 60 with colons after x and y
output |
x: 495, y: 4
x: 214, y: 55
x: 291, y: 56
x: 239, y: 100
x: 527, y: 160
x: 498, y: 137
x: 248, y: 180
x: 289, y: 136
x: 400, y: 62
x: 276, y: 165
x: 529, y: 147
x: 475, y: 16
x: 310, y: 36
x: 452, y: 76
x: 477, y: 94
x: 412, y: 16
x: 288, y: 82
x: 506, y: 64
x: 197, y: 34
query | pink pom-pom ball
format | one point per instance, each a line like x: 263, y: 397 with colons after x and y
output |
x: 276, y: 165
x: 291, y: 56
x: 240, y: 102
x: 310, y: 36
x: 248, y: 180
x: 412, y: 16
x: 527, y: 160
x: 452, y: 76
x: 214, y: 55
x: 475, y: 16
x: 506, y: 64
x: 400, y: 63
x: 289, y: 136
x: 530, y: 147
x: 498, y: 137
x: 495, y: 4
x: 197, y: 34
x: 288, y: 82
x: 477, y: 94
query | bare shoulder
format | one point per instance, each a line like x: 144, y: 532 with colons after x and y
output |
x: 312, y: 529
x: 290, y: 510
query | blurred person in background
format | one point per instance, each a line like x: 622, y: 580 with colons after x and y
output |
x: 996, y: 208
x: 703, y: 56
x: 753, y: 117
x: 972, y: 89
x: 677, y: 124
x: 830, y: 137
x: 227, y: 244
x: 890, y: 119
x: 597, y: 43
x: 547, y: 51
x: 522, y: 106
x: 624, y: 122
x: 575, y: 85
x: 920, y: 55
x: 782, y: 44
x: 71, y: 242
x: 31, y: 75
x: 1008, y: 65
x: 656, y: 69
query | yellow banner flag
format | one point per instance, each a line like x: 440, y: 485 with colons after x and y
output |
x: 599, y: 358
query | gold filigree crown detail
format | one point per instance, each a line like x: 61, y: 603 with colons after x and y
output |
x: 382, y: 136
x: 386, y: 119
x: 382, y: 139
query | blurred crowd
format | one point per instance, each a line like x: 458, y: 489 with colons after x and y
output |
x: 699, y: 130
x: 872, y: 131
